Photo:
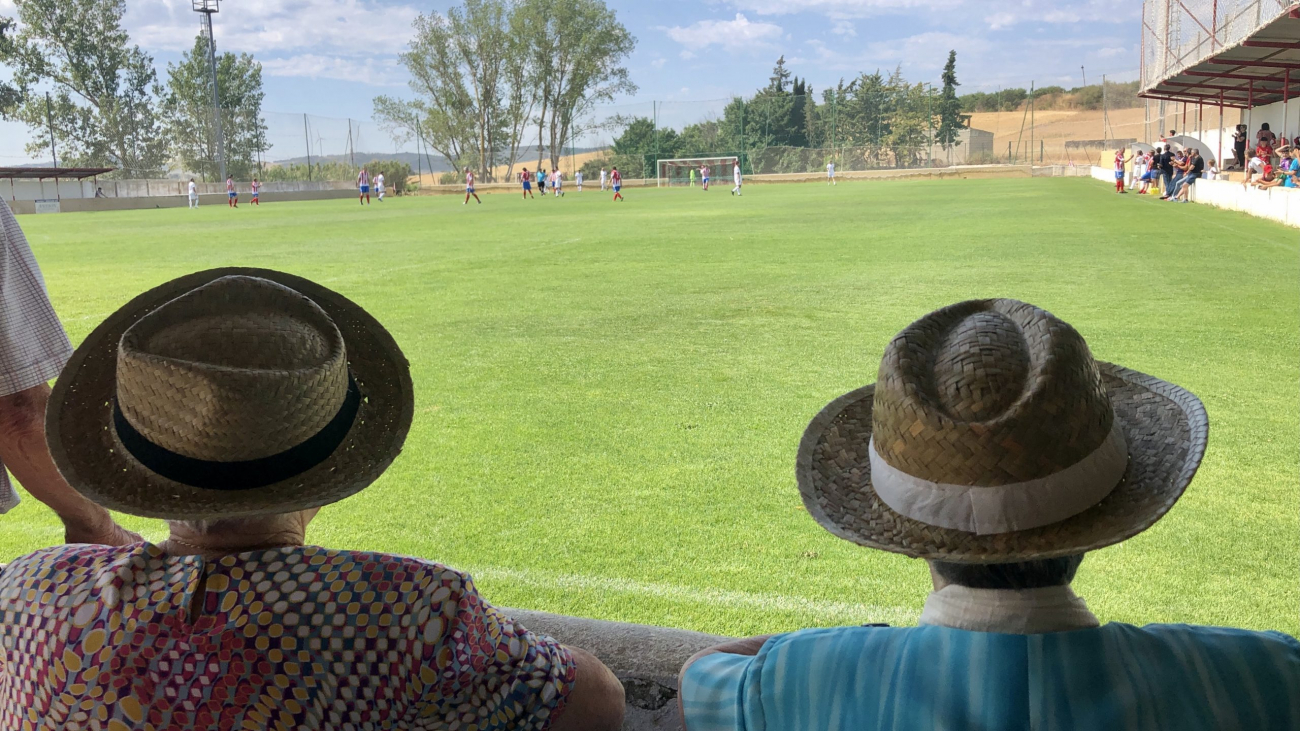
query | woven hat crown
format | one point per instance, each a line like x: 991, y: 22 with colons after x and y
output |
x: 986, y: 393
x: 239, y: 369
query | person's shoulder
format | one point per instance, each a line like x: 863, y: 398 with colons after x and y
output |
x: 74, y: 562
x: 1210, y: 635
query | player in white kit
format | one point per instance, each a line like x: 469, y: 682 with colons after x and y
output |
x: 735, y: 173
x: 602, y: 180
x: 830, y: 174
x: 557, y: 183
x: 379, y: 186
x: 194, y: 194
x: 577, y: 179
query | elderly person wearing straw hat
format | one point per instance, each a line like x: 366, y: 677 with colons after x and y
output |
x: 993, y: 446
x: 234, y: 404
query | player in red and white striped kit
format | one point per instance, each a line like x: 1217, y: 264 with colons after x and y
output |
x: 363, y: 187
x: 617, y: 179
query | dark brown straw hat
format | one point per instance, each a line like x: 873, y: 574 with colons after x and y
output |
x: 991, y: 435
x: 227, y: 393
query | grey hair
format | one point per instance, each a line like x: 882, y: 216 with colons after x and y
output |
x: 1035, y: 574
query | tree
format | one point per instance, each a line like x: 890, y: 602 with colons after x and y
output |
x: 187, y: 112
x: 103, y: 110
x: 951, y: 119
x: 580, y: 68
x: 9, y: 96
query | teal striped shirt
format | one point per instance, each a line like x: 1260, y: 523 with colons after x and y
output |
x: 1116, y: 676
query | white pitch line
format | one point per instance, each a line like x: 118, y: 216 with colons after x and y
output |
x: 833, y: 611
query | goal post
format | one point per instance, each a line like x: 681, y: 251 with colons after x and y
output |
x: 677, y: 171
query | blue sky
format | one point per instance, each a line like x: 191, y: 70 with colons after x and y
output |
x: 332, y: 57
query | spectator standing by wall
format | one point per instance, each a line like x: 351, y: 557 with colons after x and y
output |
x: 1239, y: 140
x: 33, y: 349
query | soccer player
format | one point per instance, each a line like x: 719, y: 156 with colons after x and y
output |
x: 617, y: 180
x: 735, y: 173
x: 577, y: 179
x: 363, y: 185
x: 257, y: 190
x: 1119, y: 170
x: 232, y: 195
x: 194, y: 194
x: 541, y: 181
x: 469, y: 188
x: 528, y: 185
x: 830, y: 173
x: 704, y: 177
x: 691, y: 184
x: 379, y: 186
x: 602, y: 180
x: 557, y: 183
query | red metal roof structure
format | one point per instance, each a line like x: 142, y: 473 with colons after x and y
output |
x: 47, y: 173
x: 1259, y: 66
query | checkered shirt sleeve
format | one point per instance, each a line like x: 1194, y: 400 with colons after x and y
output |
x: 33, y: 345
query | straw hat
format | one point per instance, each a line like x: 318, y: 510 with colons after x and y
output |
x: 230, y: 392
x: 991, y: 435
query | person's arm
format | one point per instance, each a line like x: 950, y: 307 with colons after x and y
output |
x: 23, y: 450
x: 748, y: 646
x: 597, y: 701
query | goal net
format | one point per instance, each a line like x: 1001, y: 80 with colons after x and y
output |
x: 677, y: 171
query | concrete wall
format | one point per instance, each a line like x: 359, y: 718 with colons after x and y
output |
x: 1276, y: 204
x: 72, y: 205
x: 30, y: 190
x: 646, y: 660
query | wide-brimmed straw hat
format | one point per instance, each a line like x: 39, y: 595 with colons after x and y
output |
x: 991, y: 435
x: 227, y: 393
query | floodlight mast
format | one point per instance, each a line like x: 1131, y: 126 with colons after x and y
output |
x: 207, y: 8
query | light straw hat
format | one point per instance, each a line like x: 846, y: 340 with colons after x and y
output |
x: 230, y: 392
x: 991, y: 435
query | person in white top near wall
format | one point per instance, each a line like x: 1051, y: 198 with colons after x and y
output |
x: 830, y: 173
x: 194, y: 194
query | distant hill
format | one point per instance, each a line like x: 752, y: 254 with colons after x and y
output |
x: 420, y: 162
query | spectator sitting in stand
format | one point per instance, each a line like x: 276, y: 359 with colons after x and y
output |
x: 1289, y: 167
x: 1180, y: 166
x: 1265, y: 136
x: 234, y: 404
x: 1270, y: 178
x: 1195, y: 168
x: 1254, y: 171
x: 994, y: 447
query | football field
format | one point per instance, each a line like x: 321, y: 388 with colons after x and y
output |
x: 609, y: 396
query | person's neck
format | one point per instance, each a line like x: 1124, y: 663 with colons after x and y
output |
x: 235, y: 537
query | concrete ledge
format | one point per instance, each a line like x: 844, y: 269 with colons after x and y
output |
x: 78, y: 205
x: 646, y: 659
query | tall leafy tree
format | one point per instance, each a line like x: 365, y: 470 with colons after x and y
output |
x: 187, y: 112
x: 104, y: 102
x: 951, y: 119
x: 583, y: 47
x: 9, y: 96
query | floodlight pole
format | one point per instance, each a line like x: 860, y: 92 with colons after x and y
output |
x: 207, y: 8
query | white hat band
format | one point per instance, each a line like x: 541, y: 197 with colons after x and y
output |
x: 1004, y: 508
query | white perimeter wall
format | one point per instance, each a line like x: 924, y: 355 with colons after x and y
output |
x: 31, y: 190
x: 1276, y: 204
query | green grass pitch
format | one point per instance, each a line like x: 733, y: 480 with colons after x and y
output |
x: 609, y: 396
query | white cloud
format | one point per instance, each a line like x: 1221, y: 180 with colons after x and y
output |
x: 274, y: 27
x: 738, y: 34
x: 659, y: 62
x: 845, y: 28
x: 1113, y: 51
x: 838, y: 8
x: 314, y: 66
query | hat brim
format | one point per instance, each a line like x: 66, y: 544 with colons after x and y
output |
x: 1165, y: 427
x: 86, y: 449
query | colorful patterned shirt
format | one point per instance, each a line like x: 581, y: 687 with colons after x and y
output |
x: 94, y: 637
